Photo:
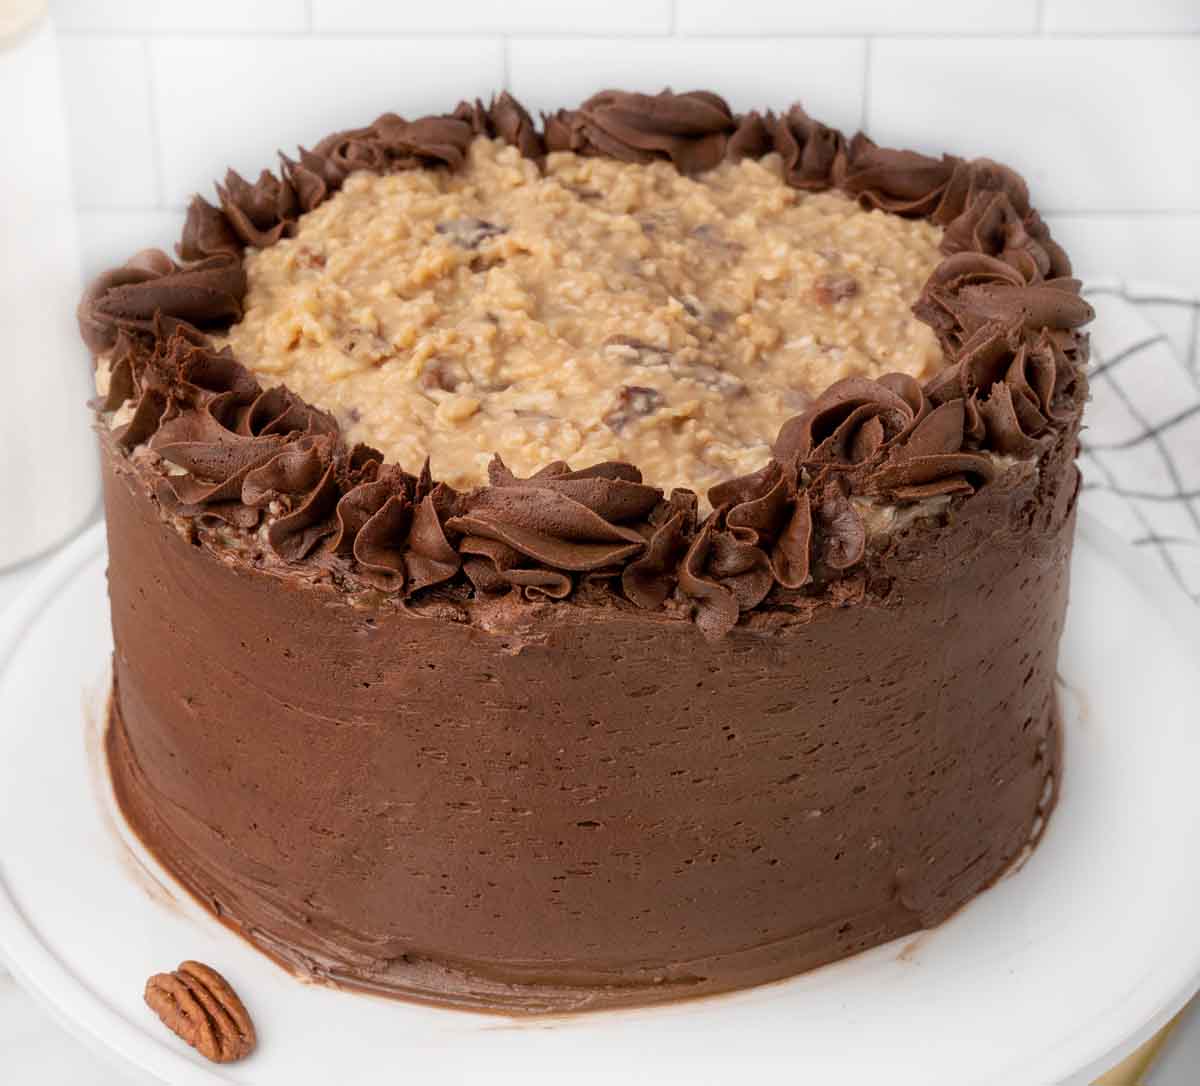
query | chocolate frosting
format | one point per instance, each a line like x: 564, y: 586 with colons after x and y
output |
x: 205, y: 293
x: 504, y: 119
x: 526, y: 782
x: 903, y: 182
x: 520, y: 803
x: 691, y: 130
x: 262, y: 213
x: 813, y: 154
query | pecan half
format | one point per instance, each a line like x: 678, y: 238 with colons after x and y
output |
x: 835, y: 287
x: 197, y: 1004
x: 470, y: 233
x: 633, y: 402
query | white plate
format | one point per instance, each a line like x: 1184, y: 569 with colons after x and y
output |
x: 1064, y: 965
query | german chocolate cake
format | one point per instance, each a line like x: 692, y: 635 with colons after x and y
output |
x: 566, y: 566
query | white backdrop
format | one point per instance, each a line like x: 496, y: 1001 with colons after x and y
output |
x: 1094, y: 100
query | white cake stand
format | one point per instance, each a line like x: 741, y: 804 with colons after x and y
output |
x: 1066, y: 964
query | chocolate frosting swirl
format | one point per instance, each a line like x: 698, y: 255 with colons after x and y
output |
x: 813, y: 154
x: 262, y: 213
x: 558, y: 521
x: 970, y: 292
x: 314, y: 177
x: 207, y: 232
x: 204, y: 293
x: 691, y: 130
x: 391, y: 524
x: 722, y: 575
x: 300, y: 481
x: 752, y: 138
x: 770, y: 510
x: 221, y: 448
x: 651, y: 577
x: 887, y: 438
x: 392, y: 144
x: 504, y: 119
x: 901, y: 182
x: 992, y: 224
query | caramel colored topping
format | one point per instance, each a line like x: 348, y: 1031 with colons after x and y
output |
x: 502, y: 307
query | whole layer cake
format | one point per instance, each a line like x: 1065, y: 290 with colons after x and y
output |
x: 619, y: 561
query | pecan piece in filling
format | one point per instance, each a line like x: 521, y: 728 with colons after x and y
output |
x: 633, y: 402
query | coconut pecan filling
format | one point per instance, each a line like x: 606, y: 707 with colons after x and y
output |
x: 594, y: 310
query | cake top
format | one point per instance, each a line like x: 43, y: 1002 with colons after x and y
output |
x: 585, y: 309
x: 267, y: 470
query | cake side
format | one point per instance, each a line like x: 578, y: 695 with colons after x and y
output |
x: 574, y: 806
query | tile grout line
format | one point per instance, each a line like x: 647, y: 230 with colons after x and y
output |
x: 308, y: 15
x: 1128, y: 212
x: 673, y: 19
x: 506, y: 62
x: 188, y: 35
x: 489, y: 33
x: 1039, y: 26
x: 1016, y: 37
x: 1117, y: 35
x: 156, y: 148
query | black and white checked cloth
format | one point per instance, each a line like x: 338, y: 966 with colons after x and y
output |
x: 1141, y: 438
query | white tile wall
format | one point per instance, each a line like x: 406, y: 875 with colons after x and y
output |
x: 1095, y: 100
x: 108, y: 238
x: 857, y: 17
x: 1092, y: 123
x: 1121, y: 16
x: 1156, y: 250
x: 489, y: 16
x: 827, y: 73
x: 168, y: 15
x: 106, y: 95
x: 234, y: 102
